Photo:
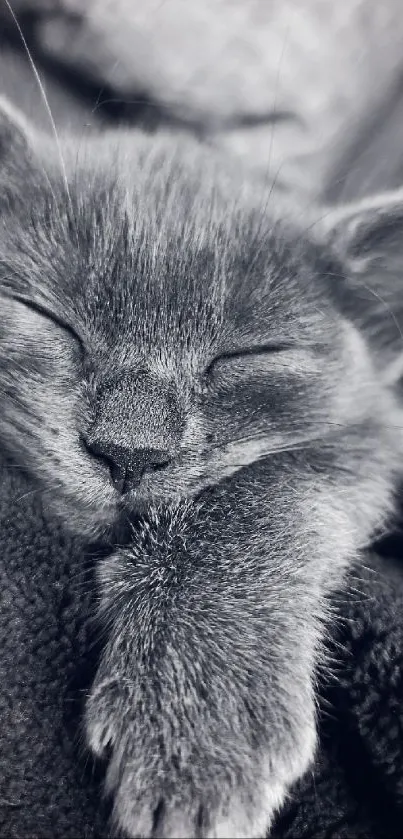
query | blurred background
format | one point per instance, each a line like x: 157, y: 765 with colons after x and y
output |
x: 306, y: 93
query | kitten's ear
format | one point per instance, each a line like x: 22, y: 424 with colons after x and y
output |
x: 367, y: 240
x: 16, y: 143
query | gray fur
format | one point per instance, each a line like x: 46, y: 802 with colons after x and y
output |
x: 174, y: 297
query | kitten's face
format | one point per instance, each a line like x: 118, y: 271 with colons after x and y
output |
x: 157, y: 336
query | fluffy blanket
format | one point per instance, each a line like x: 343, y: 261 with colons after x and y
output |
x: 48, y: 784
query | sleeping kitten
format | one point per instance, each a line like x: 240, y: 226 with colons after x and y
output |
x: 174, y: 356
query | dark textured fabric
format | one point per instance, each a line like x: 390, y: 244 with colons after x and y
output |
x: 49, y: 787
x: 46, y: 784
x: 357, y: 787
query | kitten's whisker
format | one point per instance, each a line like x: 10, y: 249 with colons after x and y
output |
x: 263, y: 218
x: 98, y: 102
x: 351, y: 426
x: 276, y: 90
x: 374, y: 294
x: 40, y: 490
x: 329, y: 211
x: 263, y: 210
x: 387, y: 307
x: 45, y: 101
x: 274, y: 180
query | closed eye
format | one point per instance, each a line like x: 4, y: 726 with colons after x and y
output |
x: 246, y: 354
x: 41, y: 310
x: 282, y: 359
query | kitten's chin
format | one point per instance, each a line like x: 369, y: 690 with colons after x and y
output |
x: 109, y: 520
x: 111, y: 524
x: 90, y: 523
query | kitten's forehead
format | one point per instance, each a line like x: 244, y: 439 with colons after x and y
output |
x: 170, y: 260
x: 191, y: 279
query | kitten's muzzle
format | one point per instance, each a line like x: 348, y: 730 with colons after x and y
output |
x: 127, y: 466
x: 137, y: 427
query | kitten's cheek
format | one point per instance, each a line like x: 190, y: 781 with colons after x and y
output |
x: 84, y: 500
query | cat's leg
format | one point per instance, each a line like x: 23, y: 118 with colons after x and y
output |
x: 205, y: 690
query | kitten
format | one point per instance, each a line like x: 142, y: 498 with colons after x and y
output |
x: 175, y: 356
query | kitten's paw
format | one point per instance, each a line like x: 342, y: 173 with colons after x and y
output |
x: 162, y: 791
x: 245, y: 814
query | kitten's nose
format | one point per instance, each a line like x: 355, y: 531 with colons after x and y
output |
x: 128, y: 465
